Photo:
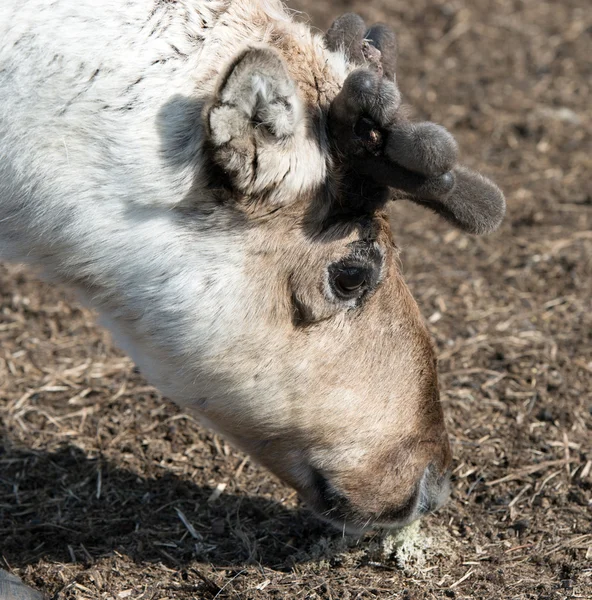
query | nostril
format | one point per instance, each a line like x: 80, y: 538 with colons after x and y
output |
x: 434, y: 490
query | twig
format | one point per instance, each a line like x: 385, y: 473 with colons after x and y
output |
x: 188, y: 525
x: 463, y: 578
x: 228, y: 583
x: 528, y: 471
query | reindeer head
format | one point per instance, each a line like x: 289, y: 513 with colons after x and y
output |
x: 333, y: 365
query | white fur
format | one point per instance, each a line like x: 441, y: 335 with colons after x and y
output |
x: 103, y: 177
x: 86, y: 188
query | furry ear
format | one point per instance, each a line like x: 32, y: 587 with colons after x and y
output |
x: 255, y: 92
x: 255, y: 111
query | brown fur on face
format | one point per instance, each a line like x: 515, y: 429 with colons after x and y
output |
x: 340, y: 393
x: 352, y: 390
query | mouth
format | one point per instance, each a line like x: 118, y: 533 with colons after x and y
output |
x: 335, y: 508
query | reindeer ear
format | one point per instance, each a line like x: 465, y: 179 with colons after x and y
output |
x: 256, y: 92
x: 255, y: 111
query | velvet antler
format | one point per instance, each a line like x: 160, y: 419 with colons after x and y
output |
x: 377, y: 141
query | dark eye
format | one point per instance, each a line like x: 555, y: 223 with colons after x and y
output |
x: 349, y: 282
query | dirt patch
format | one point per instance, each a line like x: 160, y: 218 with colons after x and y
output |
x: 107, y: 491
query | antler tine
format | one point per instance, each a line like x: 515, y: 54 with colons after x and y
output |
x: 384, y: 39
x: 347, y: 33
x: 414, y: 185
x: 376, y: 141
x: 475, y: 204
x: 463, y: 197
x: 415, y: 158
x: 375, y: 47
x: 364, y: 93
x: 374, y: 138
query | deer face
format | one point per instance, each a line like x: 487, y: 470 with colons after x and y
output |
x: 343, y: 392
x: 332, y: 363
x: 329, y: 379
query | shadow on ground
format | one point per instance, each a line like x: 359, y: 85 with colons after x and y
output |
x: 66, y: 507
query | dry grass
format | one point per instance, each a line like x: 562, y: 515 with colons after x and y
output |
x: 108, y: 492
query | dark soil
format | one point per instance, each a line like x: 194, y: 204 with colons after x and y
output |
x: 106, y: 489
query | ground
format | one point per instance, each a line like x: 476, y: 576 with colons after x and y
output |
x: 107, y: 491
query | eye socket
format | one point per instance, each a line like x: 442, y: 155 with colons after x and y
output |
x: 357, y: 275
x: 349, y: 282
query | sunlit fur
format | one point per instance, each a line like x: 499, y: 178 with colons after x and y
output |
x: 108, y: 163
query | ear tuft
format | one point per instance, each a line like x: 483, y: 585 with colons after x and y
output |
x: 258, y: 132
x: 256, y: 93
x: 273, y: 108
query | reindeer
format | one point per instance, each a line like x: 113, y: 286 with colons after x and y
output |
x: 212, y: 177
